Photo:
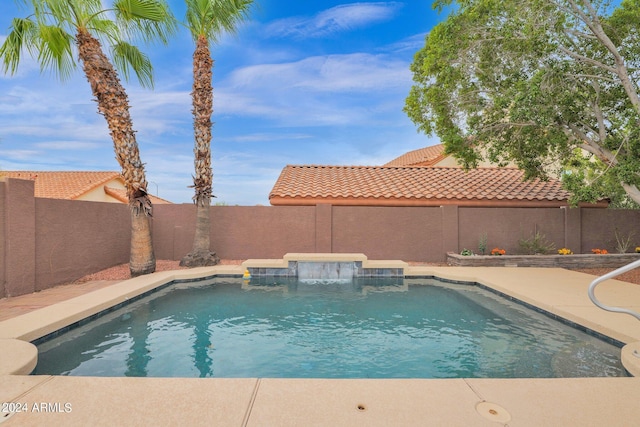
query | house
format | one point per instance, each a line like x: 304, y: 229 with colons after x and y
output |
x: 424, y: 177
x: 427, y: 156
x: 413, y: 186
x: 76, y: 185
x: 432, y: 155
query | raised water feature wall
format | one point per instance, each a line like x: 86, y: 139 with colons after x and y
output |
x: 330, y: 270
x: 340, y: 267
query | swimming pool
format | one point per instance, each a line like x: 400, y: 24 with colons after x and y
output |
x: 362, y: 329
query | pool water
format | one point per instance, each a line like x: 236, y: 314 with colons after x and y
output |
x: 370, y: 329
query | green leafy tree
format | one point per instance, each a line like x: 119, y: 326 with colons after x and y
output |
x: 206, y: 20
x: 531, y: 82
x: 51, y: 32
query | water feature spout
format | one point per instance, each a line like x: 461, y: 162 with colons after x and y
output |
x: 315, y: 271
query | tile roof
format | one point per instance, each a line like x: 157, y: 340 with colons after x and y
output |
x: 419, y: 186
x: 121, y: 194
x: 63, y: 185
x: 427, y: 156
x: 72, y: 184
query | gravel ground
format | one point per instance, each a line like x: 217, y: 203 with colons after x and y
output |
x: 121, y: 272
x: 632, y: 276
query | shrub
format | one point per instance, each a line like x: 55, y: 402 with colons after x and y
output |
x: 498, y: 251
x: 537, y: 244
x: 482, y: 243
x: 565, y: 251
x: 623, y: 243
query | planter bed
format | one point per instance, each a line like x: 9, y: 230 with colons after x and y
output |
x: 562, y: 261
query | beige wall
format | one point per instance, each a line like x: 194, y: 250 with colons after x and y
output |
x: 46, y: 242
x: 451, y: 162
x: 3, y: 237
x: 98, y: 194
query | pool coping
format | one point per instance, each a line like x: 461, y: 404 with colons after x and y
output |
x: 536, y: 286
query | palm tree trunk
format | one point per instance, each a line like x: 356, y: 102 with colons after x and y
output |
x: 202, y: 98
x: 113, y: 104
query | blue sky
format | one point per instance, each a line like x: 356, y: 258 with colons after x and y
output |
x: 310, y: 82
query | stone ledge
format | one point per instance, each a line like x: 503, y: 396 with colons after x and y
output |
x: 630, y: 356
x: 561, y: 261
x: 326, y: 257
x: 17, y: 357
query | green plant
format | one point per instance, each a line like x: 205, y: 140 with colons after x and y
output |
x: 482, y: 243
x: 466, y: 252
x: 537, y: 244
x: 623, y: 243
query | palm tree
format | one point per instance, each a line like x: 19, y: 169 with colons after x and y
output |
x: 206, y: 19
x: 49, y: 33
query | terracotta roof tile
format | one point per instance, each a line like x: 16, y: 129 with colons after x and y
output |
x: 72, y: 184
x: 63, y: 185
x: 367, y: 185
x: 427, y: 156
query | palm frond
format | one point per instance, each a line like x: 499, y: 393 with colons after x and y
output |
x: 148, y: 20
x: 211, y: 18
x: 128, y: 57
x: 55, y: 50
x: 105, y: 28
x: 55, y: 10
x: 140, y: 9
x: 22, y: 31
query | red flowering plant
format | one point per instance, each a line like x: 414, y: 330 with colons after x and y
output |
x: 599, y: 251
x: 498, y: 251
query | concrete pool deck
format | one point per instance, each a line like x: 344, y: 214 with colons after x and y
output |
x: 70, y: 401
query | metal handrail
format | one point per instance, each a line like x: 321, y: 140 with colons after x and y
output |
x: 608, y: 276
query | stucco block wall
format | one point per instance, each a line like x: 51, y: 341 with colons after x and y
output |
x: 242, y: 232
x: 47, y: 242
x: 411, y: 233
x: 237, y: 232
x: 506, y: 226
x: 20, y: 242
x: 75, y: 238
x: 3, y: 238
x: 598, y: 228
x: 173, y: 228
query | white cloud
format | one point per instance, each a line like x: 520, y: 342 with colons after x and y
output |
x: 264, y: 137
x: 68, y: 145
x: 331, y: 73
x: 318, y: 90
x: 154, y: 100
x: 410, y: 44
x: 18, y: 155
x: 338, y: 19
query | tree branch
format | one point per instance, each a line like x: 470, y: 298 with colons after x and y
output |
x: 592, y: 147
x: 620, y: 69
x: 588, y: 60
